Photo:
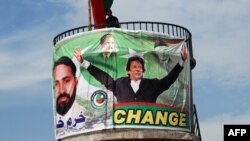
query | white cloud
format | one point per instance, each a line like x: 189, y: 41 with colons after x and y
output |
x: 23, y: 68
x: 25, y: 57
x: 78, y: 13
x: 226, y: 59
x: 220, y: 41
x: 212, y: 128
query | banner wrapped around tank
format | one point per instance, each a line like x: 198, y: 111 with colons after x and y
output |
x: 93, y: 77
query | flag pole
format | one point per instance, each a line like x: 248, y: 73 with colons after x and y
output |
x: 90, y: 24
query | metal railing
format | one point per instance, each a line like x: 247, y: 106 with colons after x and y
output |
x: 196, y: 130
x: 165, y: 28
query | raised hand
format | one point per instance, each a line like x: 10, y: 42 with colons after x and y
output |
x: 184, y: 53
x: 77, y: 54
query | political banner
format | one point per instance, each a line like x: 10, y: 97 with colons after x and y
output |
x: 115, y: 78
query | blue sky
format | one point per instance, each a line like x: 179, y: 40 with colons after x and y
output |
x: 221, y: 79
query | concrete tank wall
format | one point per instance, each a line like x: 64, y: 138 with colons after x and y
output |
x: 134, y: 135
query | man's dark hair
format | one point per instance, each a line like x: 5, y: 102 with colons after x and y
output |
x: 135, y: 58
x: 66, y: 61
x: 108, y: 10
